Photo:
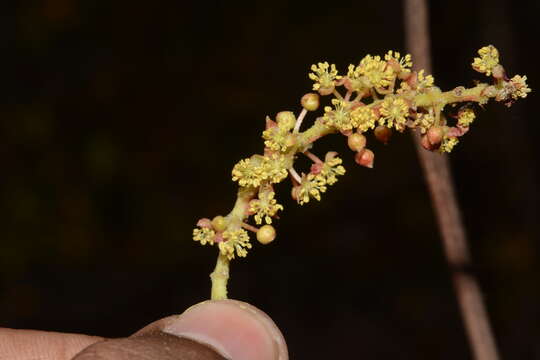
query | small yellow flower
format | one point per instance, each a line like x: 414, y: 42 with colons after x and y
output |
x: 448, y: 144
x: 394, y: 113
x: 265, y: 207
x: 424, y: 81
x: 520, y: 85
x: 489, y: 58
x: 234, y: 241
x: 332, y: 167
x: 204, y: 235
x: 340, y: 117
x: 278, y: 138
x: 466, y: 117
x: 376, y: 71
x: 258, y: 168
x: 249, y: 172
x: 403, y: 64
x: 311, y: 187
x: 355, y: 78
x: 363, y: 118
x: 424, y: 121
x: 275, y: 168
x: 324, y: 76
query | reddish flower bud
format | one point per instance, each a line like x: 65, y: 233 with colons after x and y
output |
x: 204, y: 223
x: 383, y: 134
x: 426, y: 144
x: 435, y: 135
x: 365, y: 158
x: 270, y: 123
x: 316, y: 168
x: 356, y: 142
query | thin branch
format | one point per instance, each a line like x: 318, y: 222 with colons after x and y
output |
x: 439, y: 179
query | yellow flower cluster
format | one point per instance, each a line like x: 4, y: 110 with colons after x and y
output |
x: 424, y: 81
x: 204, y: 235
x: 363, y: 118
x: 379, y: 91
x: 265, y: 207
x: 424, y: 121
x: 311, y: 187
x: 520, y: 87
x: 489, y: 58
x: 466, y: 117
x: 340, y: 116
x: 394, y: 113
x: 448, y: 144
x: 234, y: 241
x: 376, y: 71
x: 394, y: 58
x: 256, y: 169
x: 332, y: 167
x: 324, y: 76
x: 313, y: 184
x: 278, y: 138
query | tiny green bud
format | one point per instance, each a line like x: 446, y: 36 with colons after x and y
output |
x: 356, y: 142
x: 310, y: 101
x: 266, y: 234
x: 365, y: 158
x: 383, y: 134
x: 285, y: 119
x: 219, y: 223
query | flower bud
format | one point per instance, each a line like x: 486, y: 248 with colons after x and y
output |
x: 310, y: 101
x: 435, y: 135
x: 266, y: 234
x: 365, y: 158
x: 383, y: 134
x: 356, y: 142
x: 204, y: 223
x: 426, y: 144
x: 219, y: 223
x: 285, y: 119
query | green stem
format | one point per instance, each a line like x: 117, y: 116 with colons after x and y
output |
x: 219, y: 278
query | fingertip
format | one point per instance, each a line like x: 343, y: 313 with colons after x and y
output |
x: 235, y: 329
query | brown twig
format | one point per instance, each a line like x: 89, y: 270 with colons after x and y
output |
x: 439, y: 179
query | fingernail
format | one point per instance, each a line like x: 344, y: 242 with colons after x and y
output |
x: 233, y: 328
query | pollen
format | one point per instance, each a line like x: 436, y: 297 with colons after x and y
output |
x: 339, y: 116
x: 376, y: 71
x: 204, y: 235
x: 265, y: 207
x: 489, y: 58
x: 394, y: 112
x: 363, y: 118
x: 235, y: 242
x: 324, y: 76
x: 466, y: 117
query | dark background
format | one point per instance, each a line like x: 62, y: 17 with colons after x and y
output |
x: 120, y: 123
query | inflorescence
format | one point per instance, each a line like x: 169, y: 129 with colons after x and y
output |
x: 381, y: 94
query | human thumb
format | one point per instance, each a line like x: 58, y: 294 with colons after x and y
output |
x: 211, y: 330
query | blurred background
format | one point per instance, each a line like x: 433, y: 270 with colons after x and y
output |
x: 120, y: 123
